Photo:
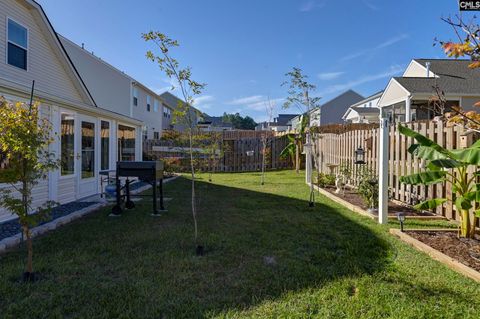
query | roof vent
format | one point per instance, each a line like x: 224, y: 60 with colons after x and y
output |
x: 428, y: 69
x: 83, y: 45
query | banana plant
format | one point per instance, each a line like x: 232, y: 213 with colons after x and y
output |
x: 293, y: 148
x: 451, y: 167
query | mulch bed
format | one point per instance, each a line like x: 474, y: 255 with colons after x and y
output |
x: 354, y: 198
x: 464, y: 250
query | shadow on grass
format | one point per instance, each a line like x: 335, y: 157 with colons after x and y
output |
x: 259, y: 246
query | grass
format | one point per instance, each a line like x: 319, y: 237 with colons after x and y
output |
x: 268, y: 256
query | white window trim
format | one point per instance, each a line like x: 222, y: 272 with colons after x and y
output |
x: 136, y: 137
x: 110, y: 144
x: 8, y: 41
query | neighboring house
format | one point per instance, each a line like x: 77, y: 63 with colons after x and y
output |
x: 91, y: 138
x: 214, y: 124
x: 281, y: 123
x: 117, y: 91
x: 332, y: 111
x: 172, y: 102
x: 365, y: 111
x: 406, y: 98
x: 329, y: 113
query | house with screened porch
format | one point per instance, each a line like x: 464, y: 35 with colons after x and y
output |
x: 91, y: 138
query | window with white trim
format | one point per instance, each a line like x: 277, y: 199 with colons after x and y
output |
x: 155, y: 105
x: 135, y: 96
x: 17, y: 45
x: 148, y: 102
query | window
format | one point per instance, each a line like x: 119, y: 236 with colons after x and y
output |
x: 105, y: 145
x: 17, y: 45
x: 145, y: 132
x: 148, y: 103
x: 156, y: 135
x: 88, y: 150
x: 67, y: 140
x: 126, y: 143
x: 155, y: 106
x: 135, y: 96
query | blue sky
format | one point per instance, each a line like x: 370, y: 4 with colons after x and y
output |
x: 243, y: 48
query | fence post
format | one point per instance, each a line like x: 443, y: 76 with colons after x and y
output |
x: 383, y: 173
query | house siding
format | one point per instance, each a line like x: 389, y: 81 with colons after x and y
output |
x: 44, y: 64
x: 152, y: 120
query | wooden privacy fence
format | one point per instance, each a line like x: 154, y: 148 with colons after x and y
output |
x: 241, y: 151
x: 340, y: 148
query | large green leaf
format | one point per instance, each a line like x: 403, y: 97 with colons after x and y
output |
x: 424, y: 178
x: 289, y: 150
x: 463, y: 203
x: 422, y: 140
x: 470, y: 155
x: 426, y: 152
x: 446, y: 163
x: 430, y: 204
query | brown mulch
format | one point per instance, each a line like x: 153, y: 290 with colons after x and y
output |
x: 353, y: 198
x: 464, y: 250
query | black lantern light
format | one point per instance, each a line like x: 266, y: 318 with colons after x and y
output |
x: 359, y: 156
x: 401, y: 219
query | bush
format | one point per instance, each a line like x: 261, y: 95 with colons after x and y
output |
x: 368, y: 187
x: 323, y: 180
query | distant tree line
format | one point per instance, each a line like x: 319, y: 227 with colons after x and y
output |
x: 239, y: 122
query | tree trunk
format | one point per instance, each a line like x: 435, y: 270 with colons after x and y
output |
x: 473, y: 225
x: 465, y: 228
x: 26, y: 232
x: 192, y: 167
x: 297, y: 158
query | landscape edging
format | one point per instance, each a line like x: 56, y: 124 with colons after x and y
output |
x: 435, y: 254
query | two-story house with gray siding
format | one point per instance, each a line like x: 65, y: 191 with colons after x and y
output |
x: 118, y: 91
x: 91, y: 138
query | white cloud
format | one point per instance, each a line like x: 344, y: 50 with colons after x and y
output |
x: 204, y: 102
x: 308, y: 6
x: 247, y: 100
x: 370, y: 5
x: 382, y: 45
x: 391, y: 71
x: 329, y: 75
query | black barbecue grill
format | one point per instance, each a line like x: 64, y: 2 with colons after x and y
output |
x: 149, y: 172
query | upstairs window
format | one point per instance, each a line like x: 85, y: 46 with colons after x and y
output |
x: 155, y: 106
x: 17, y: 46
x: 135, y: 96
x: 148, y: 103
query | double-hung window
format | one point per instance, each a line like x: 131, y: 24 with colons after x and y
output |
x: 17, y: 45
x: 135, y: 96
x: 155, y: 105
x: 148, y: 103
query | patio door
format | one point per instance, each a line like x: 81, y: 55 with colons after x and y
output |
x: 87, y: 157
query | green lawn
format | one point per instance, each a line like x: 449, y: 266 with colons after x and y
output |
x: 325, y: 262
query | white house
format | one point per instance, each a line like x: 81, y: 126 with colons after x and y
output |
x: 406, y: 98
x: 91, y: 138
x: 365, y: 111
x: 119, y: 92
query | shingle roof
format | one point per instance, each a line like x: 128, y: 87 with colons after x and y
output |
x: 454, y: 77
x: 283, y: 119
x: 216, y: 121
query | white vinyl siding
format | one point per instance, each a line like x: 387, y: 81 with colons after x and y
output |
x: 45, y: 64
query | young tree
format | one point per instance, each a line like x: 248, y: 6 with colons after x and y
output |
x: 270, y: 109
x: 214, y: 150
x: 299, y: 95
x: 184, y: 113
x: 25, y: 137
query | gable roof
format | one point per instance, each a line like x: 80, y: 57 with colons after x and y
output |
x: 451, y: 76
x: 369, y: 98
x: 283, y: 119
x: 333, y: 110
x: 69, y: 66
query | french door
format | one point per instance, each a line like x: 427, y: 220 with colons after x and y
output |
x: 87, y: 155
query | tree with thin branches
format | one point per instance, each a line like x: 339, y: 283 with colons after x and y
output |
x: 184, y: 113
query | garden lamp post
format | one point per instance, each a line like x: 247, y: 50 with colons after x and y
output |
x: 401, y: 219
x: 308, y: 147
